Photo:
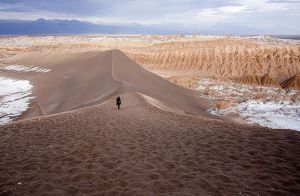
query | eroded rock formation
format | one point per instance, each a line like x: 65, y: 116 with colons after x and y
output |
x: 292, y: 83
x: 223, y: 58
x: 265, y: 80
x: 182, y: 56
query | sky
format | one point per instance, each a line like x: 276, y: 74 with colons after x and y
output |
x: 234, y: 16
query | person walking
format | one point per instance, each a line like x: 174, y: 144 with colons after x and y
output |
x: 118, y: 102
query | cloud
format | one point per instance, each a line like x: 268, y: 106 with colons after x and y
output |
x: 286, y: 1
x: 265, y: 15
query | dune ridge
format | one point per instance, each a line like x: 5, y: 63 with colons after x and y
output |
x: 106, y: 74
x: 73, y: 140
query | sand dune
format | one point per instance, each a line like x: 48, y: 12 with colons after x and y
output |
x: 143, y: 150
x: 90, y: 78
x: 74, y: 141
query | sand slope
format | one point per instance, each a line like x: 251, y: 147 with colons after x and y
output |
x: 74, y: 149
x: 142, y: 150
x: 92, y: 77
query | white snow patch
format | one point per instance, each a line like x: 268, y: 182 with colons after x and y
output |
x: 282, y: 115
x: 14, y: 98
x: 218, y: 89
x: 267, y: 106
x: 24, y: 68
x: 272, y: 40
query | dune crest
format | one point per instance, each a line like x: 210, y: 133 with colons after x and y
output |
x: 91, y: 78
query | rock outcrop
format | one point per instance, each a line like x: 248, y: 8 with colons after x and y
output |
x: 224, y: 104
x: 187, y: 82
x: 292, y: 83
x: 222, y: 58
x: 265, y: 80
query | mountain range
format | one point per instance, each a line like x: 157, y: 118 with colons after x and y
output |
x: 49, y: 27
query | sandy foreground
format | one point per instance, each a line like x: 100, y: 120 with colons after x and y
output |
x: 143, y: 150
x: 73, y: 140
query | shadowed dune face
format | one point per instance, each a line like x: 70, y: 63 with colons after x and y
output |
x: 76, y: 82
x: 93, y: 77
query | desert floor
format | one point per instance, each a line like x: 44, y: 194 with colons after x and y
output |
x: 143, y: 150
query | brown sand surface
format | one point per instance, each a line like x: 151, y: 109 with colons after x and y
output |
x: 82, y: 145
x: 89, y: 78
x: 143, y: 150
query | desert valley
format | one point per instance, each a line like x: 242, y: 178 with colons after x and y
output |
x: 200, y: 115
x: 239, y: 73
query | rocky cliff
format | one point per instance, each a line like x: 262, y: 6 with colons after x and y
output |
x: 222, y: 58
x: 292, y: 83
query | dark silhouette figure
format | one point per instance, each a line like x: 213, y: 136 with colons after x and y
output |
x: 118, y: 102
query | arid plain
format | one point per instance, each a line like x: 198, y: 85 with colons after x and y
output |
x: 188, y: 124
